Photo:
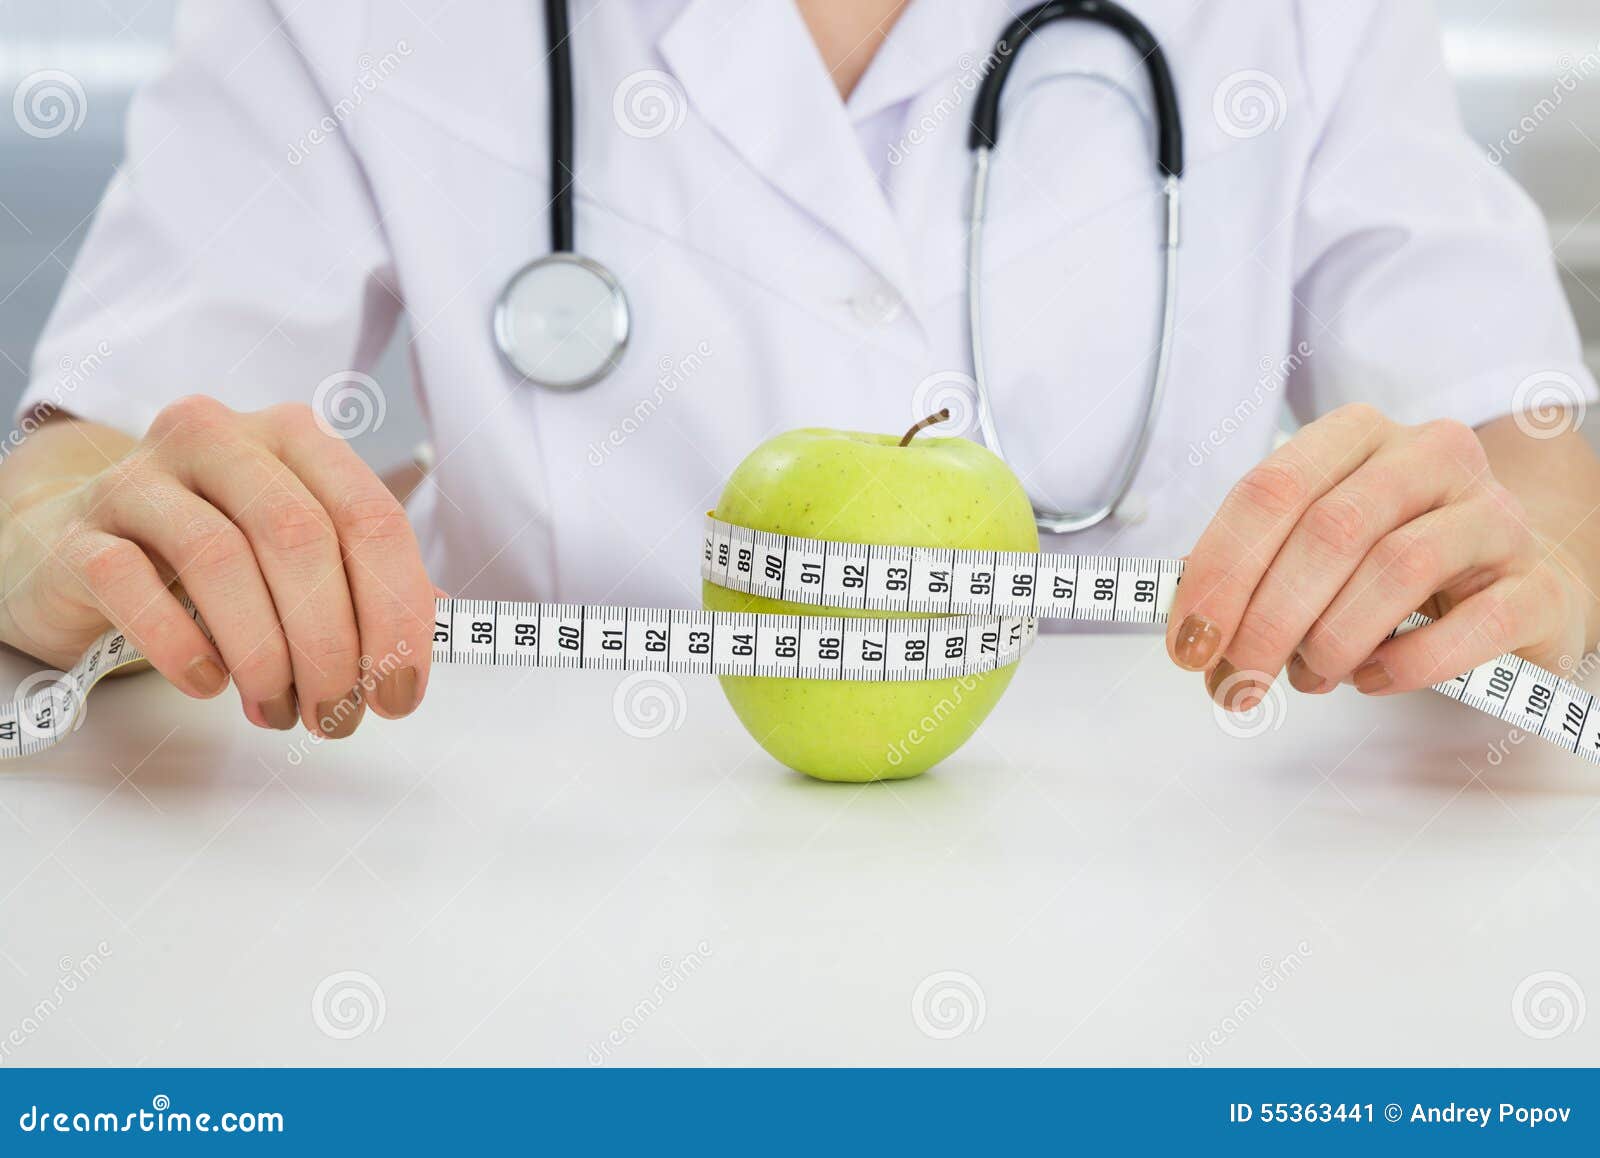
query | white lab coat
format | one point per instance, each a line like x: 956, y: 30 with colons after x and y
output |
x: 305, y: 175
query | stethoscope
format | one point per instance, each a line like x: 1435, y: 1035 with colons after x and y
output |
x: 562, y: 321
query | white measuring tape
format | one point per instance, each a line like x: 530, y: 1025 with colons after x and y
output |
x: 986, y: 605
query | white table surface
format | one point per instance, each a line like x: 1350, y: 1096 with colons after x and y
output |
x: 1114, y: 875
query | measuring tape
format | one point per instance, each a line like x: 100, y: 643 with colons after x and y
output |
x: 986, y: 606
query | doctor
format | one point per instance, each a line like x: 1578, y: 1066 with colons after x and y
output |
x: 781, y: 186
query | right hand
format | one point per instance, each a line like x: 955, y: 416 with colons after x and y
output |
x: 301, y: 562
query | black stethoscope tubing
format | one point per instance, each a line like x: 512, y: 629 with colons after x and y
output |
x: 520, y: 327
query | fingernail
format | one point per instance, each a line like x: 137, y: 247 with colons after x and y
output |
x: 338, y: 718
x: 1302, y: 678
x: 1197, y: 642
x: 1233, y: 691
x: 1217, y: 676
x: 397, y: 691
x: 206, y: 676
x: 1372, y: 677
x: 282, y: 711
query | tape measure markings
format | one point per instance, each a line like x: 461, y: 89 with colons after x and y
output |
x: 980, y: 610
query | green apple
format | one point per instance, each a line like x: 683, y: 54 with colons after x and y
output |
x: 869, y: 488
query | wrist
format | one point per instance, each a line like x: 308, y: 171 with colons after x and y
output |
x: 18, y: 530
x: 1582, y: 579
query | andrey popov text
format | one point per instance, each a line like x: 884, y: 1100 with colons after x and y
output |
x: 1449, y: 1114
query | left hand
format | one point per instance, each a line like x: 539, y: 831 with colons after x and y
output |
x: 1350, y: 526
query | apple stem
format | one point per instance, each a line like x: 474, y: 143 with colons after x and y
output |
x: 932, y: 419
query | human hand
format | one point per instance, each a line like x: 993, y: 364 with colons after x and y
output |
x: 1349, y: 527
x: 302, y: 564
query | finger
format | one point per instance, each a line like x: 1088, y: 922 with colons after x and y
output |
x: 219, y: 572
x: 394, y: 598
x: 1429, y: 554
x: 121, y: 579
x: 1255, y: 519
x: 1511, y: 614
x: 298, y: 552
x: 1402, y: 480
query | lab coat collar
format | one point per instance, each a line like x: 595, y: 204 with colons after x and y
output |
x: 932, y: 41
x: 755, y: 76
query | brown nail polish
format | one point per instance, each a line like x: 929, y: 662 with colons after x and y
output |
x: 397, y: 691
x: 206, y: 676
x: 1197, y: 642
x: 1372, y: 677
x: 338, y: 718
x: 1302, y: 678
x: 1233, y: 690
x: 282, y: 711
x: 1218, y: 676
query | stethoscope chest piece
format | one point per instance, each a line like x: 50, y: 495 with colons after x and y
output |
x: 562, y: 322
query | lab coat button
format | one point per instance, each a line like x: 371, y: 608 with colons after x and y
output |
x: 877, y: 305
